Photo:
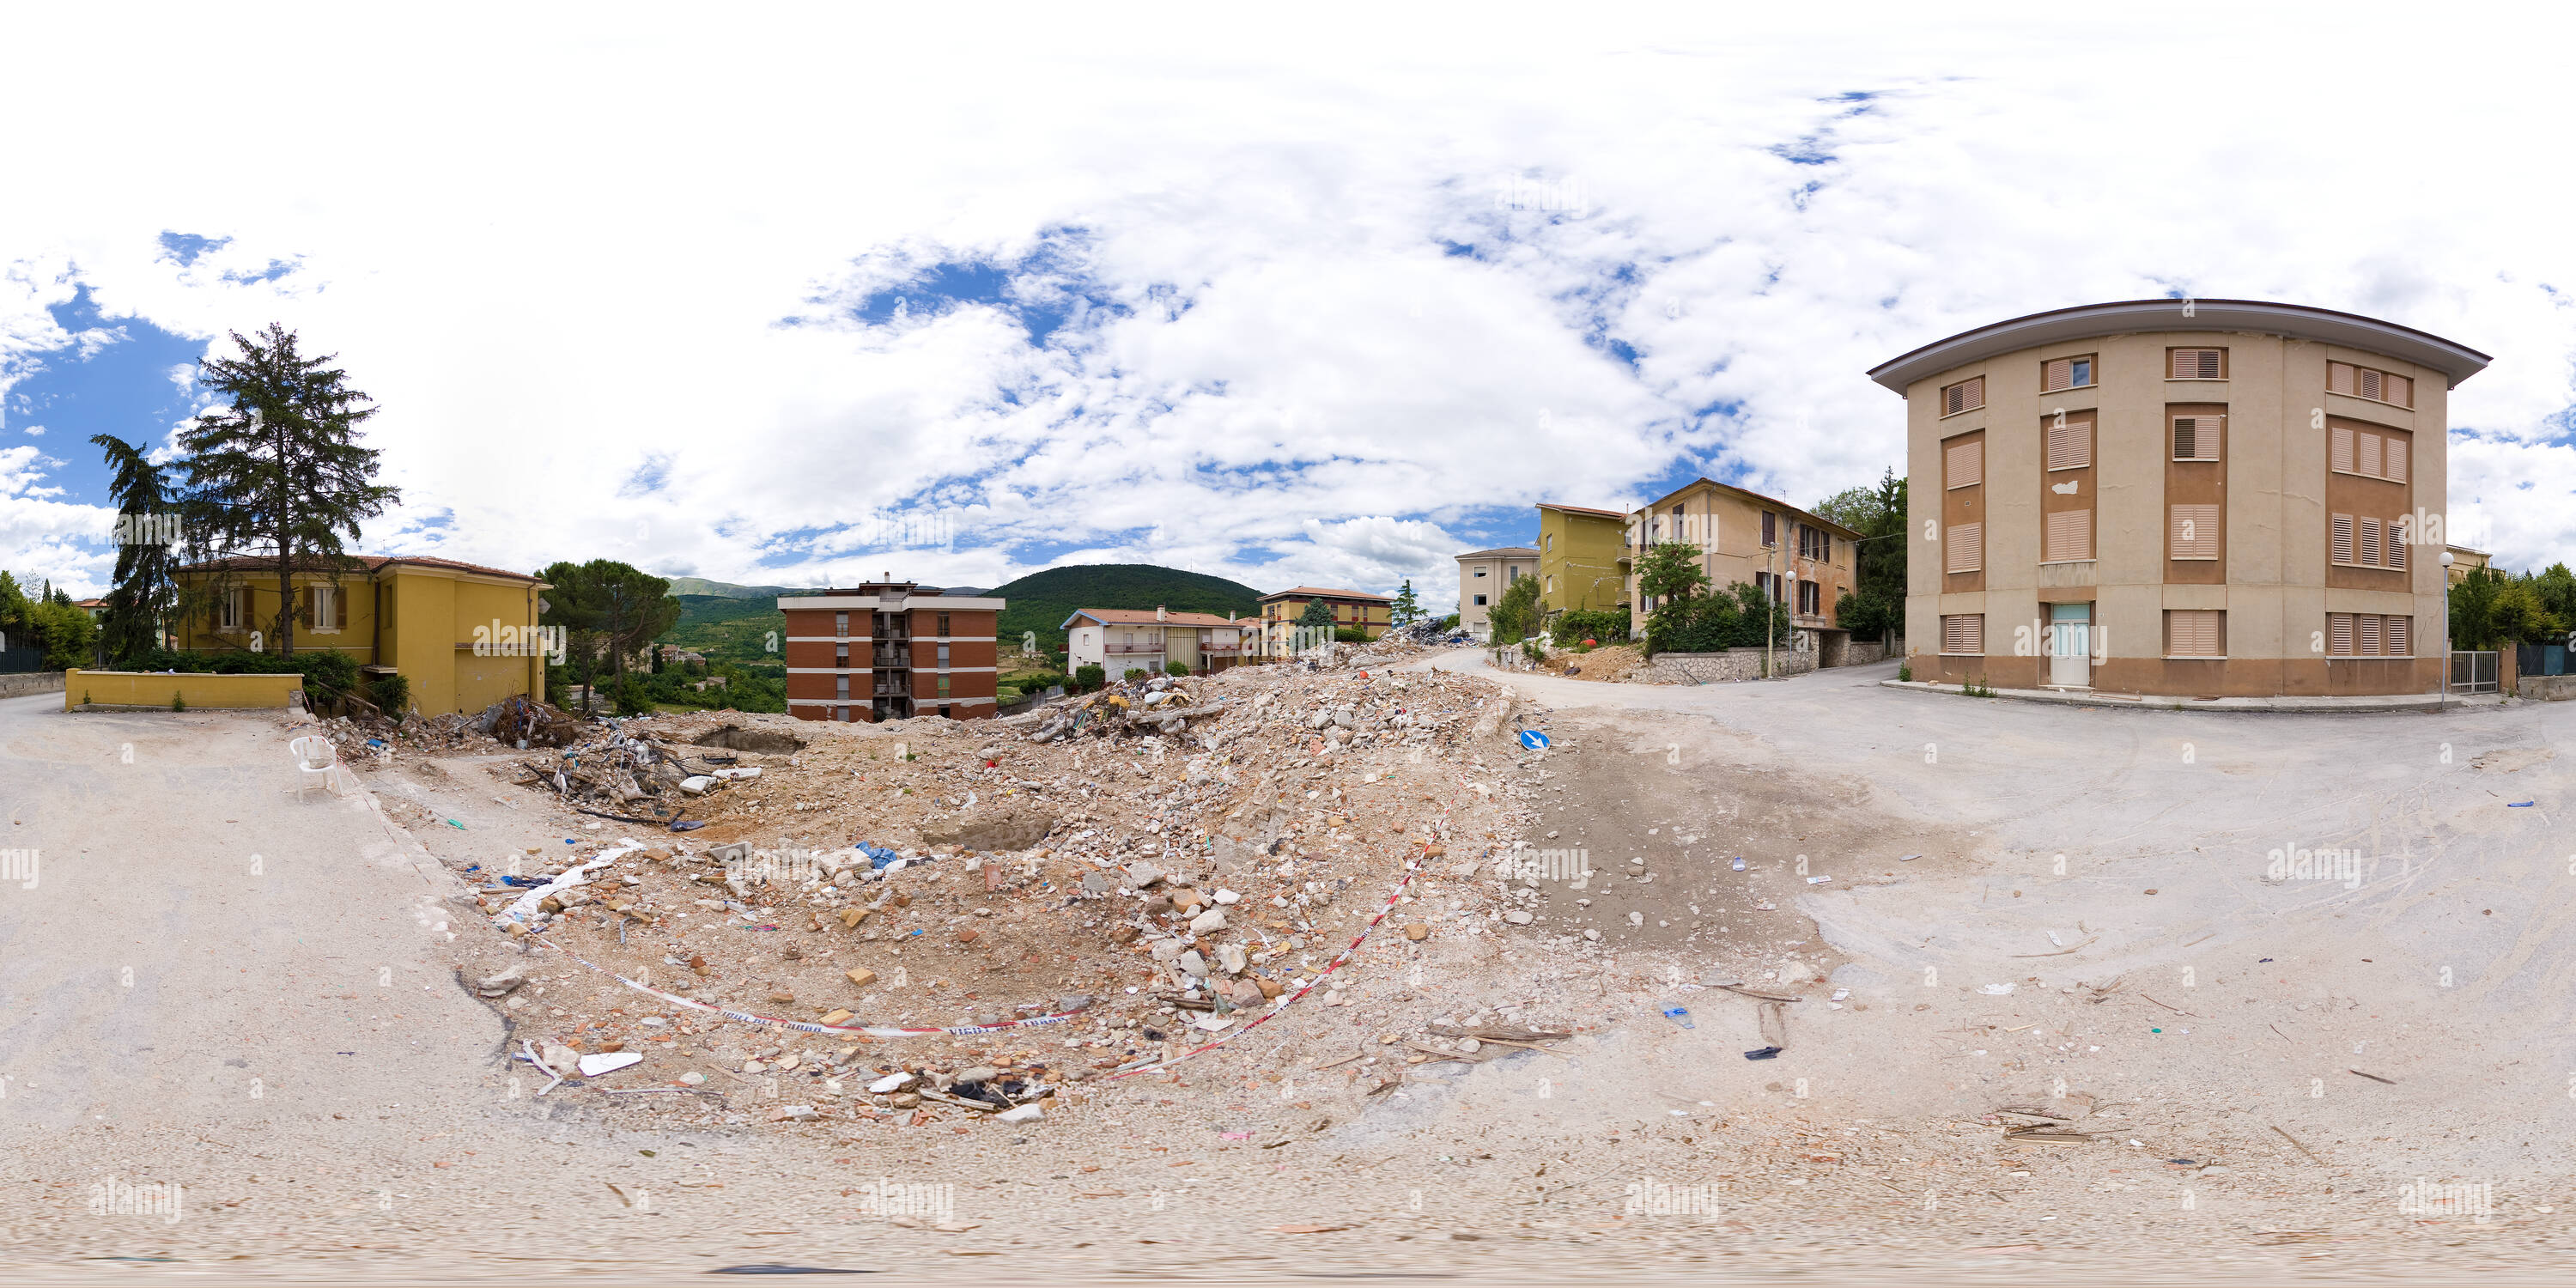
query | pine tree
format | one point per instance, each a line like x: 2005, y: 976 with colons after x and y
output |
x: 1407, y: 610
x: 145, y: 593
x: 276, y: 476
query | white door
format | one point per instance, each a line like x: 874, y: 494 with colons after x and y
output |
x: 2070, y: 645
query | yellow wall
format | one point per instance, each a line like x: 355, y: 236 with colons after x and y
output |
x: 427, y: 633
x: 153, y: 689
x: 1578, y: 560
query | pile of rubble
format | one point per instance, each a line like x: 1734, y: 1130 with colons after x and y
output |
x: 1185, y: 851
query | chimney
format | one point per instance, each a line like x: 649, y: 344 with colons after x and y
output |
x: 1229, y: 614
x: 1160, y: 615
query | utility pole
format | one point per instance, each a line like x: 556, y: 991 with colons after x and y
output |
x: 1770, y: 604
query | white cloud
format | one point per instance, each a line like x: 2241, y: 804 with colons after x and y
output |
x: 556, y: 260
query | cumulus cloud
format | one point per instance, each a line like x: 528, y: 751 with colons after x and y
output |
x: 1289, y: 307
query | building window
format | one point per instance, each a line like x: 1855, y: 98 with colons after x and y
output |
x: 2066, y: 373
x: 2195, y: 438
x: 326, y: 608
x: 943, y: 656
x: 2195, y: 632
x: 1480, y: 601
x: 1551, y: 541
x: 1814, y: 543
x: 2067, y: 537
x: 1966, y: 549
x: 1480, y: 572
x: 2361, y: 541
x: 1770, y: 529
x: 1963, y: 634
x: 1964, y: 464
x: 2363, y: 382
x: 2195, y: 364
x: 943, y: 623
x: 841, y: 687
x: 1967, y: 395
x: 841, y: 655
x: 1811, y: 597
x: 841, y: 624
x: 2369, y: 635
x: 2070, y: 443
x: 943, y: 686
x: 2372, y: 455
x: 2195, y: 532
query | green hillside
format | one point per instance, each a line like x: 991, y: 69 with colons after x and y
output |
x: 686, y: 586
x: 1042, y: 600
x: 727, y: 628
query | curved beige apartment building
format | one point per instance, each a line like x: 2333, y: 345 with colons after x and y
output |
x: 2179, y: 497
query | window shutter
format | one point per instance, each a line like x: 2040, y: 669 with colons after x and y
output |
x: 2370, y: 457
x: 2366, y: 628
x: 2070, y: 446
x: 1967, y: 469
x: 2399, y: 641
x: 2056, y: 375
x: 2400, y: 389
x: 2186, y: 438
x: 1967, y: 548
x: 2192, y: 632
x: 2338, y: 377
x: 2396, y: 460
x: 1974, y: 392
x: 2370, y: 383
x: 2343, y: 538
x: 2069, y: 535
x: 2195, y: 532
x: 2339, y: 634
x: 2339, y: 449
x: 2369, y: 543
x: 2209, y: 364
x: 1950, y: 400
x: 2396, y: 544
x: 1963, y: 633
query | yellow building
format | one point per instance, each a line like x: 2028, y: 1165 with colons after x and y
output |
x: 1801, y: 560
x: 2458, y: 560
x: 1580, y: 558
x: 465, y: 636
x: 1370, y: 614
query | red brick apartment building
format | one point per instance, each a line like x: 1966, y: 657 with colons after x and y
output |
x: 890, y: 650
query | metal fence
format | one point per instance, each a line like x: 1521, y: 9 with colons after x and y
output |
x: 2475, y: 672
x: 2540, y: 659
x: 16, y: 660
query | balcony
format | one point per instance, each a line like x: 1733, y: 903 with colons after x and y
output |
x: 1220, y: 650
x: 890, y: 691
x: 892, y: 659
x: 1132, y: 648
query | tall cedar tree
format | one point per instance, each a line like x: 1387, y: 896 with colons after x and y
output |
x: 1407, y: 610
x: 145, y: 593
x: 276, y: 476
x: 1318, y: 615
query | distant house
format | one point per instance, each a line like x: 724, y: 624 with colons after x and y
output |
x: 1483, y: 576
x: 1800, y: 560
x: 464, y: 635
x: 2461, y: 559
x: 93, y: 607
x: 1121, y: 639
x: 1370, y: 614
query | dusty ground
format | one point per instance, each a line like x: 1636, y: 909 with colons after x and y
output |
x: 1867, y: 1147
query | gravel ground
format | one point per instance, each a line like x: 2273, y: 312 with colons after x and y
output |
x: 1869, y: 1148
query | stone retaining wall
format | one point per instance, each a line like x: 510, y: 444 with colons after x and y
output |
x: 19, y: 684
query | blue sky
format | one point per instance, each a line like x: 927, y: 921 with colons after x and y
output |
x: 1304, y: 308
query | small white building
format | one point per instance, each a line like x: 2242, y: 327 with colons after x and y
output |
x: 1118, y: 640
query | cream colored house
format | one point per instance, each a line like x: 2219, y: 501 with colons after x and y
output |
x: 1483, y: 576
x: 1118, y: 640
x: 1802, y: 561
x: 2182, y: 498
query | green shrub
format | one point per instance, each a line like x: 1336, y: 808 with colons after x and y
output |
x: 1089, y: 676
x: 391, y: 694
x: 1607, y: 625
x: 177, y: 703
x: 1135, y: 673
x: 1905, y: 673
x: 1711, y: 623
x: 1350, y: 635
x: 1176, y: 669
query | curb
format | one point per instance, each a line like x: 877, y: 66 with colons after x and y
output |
x: 2409, y: 704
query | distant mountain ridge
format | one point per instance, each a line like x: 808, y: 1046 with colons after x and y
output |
x: 1042, y: 600
x: 728, y: 590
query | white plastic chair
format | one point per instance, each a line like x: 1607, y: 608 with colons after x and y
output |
x: 315, y: 756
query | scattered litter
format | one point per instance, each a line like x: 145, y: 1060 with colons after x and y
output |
x: 1739, y: 865
x: 1680, y: 1016
x: 2519, y: 804
x: 600, y: 1062
x: 1996, y: 990
x: 1763, y: 1054
x: 1818, y: 880
x: 1909, y: 858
